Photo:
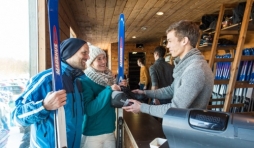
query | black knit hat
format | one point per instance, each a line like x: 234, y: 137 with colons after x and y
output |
x: 69, y: 47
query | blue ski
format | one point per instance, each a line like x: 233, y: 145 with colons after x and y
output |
x: 59, y: 119
x: 121, y: 39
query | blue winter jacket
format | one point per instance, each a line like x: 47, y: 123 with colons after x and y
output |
x: 30, y: 111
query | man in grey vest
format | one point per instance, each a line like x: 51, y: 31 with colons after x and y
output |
x: 161, y: 74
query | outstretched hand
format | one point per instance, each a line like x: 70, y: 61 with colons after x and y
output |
x: 55, y: 100
x: 138, y: 91
x: 135, y: 107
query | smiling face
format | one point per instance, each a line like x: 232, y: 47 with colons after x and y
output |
x: 78, y: 60
x: 177, y: 46
x: 100, y: 63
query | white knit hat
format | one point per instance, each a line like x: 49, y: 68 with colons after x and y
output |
x: 93, y: 53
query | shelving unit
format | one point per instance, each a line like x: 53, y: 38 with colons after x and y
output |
x: 240, y: 30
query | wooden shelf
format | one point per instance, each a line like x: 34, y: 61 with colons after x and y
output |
x: 247, y: 58
x: 218, y: 99
x: 244, y: 84
x: 219, y: 82
x: 219, y: 47
x: 243, y: 58
x: 238, y: 84
x: 233, y: 29
x: 223, y: 59
x: 240, y: 31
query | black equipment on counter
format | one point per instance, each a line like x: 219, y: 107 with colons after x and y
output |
x: 121, y: 98
x: 194, y: 128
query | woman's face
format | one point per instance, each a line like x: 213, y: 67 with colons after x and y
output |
x: 100, y: 63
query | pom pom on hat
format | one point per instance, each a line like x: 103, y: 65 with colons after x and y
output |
x: 93, y: 53
x: 69, y: 47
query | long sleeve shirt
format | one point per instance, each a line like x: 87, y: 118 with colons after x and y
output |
x: 144, y: 76
x: 192, y: 86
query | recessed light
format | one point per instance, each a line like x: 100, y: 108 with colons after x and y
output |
x: 159, y: 13
x: 143, y: 28
x: 134, y: 37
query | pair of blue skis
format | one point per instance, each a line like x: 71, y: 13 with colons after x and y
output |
x: 59, y: 117
x: 60, y: 124
x: 121, y: 39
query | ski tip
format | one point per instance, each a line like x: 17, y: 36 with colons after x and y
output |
x: 121, y: 15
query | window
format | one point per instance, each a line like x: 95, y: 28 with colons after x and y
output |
x: 18, y: 29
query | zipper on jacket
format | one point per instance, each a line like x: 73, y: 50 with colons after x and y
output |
x: 74, y: 139
x: 45, y: 134
x: 82, y: 104
x: 45, y: 121
x: 73, y: 106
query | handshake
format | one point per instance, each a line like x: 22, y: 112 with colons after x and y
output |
x: 121, y: 98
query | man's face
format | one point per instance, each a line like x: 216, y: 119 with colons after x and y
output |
x: 78, y: 60
x: 100, y: 63
x: 155, y: 55
x: 175, y: 46
x: 139, y: 64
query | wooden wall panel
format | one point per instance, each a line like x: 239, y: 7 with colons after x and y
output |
x: 42, y: 39
x: 131, y: 47
x: 66, y: 14
x: 66, y: 20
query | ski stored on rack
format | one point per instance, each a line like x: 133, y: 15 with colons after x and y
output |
x: 59, y: 117
x: 121, y: 39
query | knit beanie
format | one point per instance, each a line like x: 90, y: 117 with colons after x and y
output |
x: 69, y: 47
x: 93, y: 53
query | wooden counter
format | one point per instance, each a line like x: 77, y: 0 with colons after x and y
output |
x: 140, y: 130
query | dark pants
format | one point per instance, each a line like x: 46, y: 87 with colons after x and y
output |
x: 141, y: 86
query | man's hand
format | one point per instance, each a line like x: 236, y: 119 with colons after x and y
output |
x: 138, y: 91
x: 156, y: 102
x: 55, y: 100
x: 135, y: 107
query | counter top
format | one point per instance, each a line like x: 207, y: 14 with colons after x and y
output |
x: 142, y: 128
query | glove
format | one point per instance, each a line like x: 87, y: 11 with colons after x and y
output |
x: 132, y: 95
x: 119, y: 99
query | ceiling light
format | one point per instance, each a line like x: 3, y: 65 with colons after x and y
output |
x: 159, y: 13
x: 143, y: 28
x: 134, y: 37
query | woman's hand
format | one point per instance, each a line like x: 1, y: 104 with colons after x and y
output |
x: 123, y: 82
x: 115, y: 87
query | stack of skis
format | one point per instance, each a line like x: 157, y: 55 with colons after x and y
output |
x: 240, y: 95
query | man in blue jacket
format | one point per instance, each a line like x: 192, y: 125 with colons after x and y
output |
x: 37, y: 104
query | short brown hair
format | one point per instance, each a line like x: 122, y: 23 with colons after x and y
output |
x: 185, y: 28
x: 141, y: 60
